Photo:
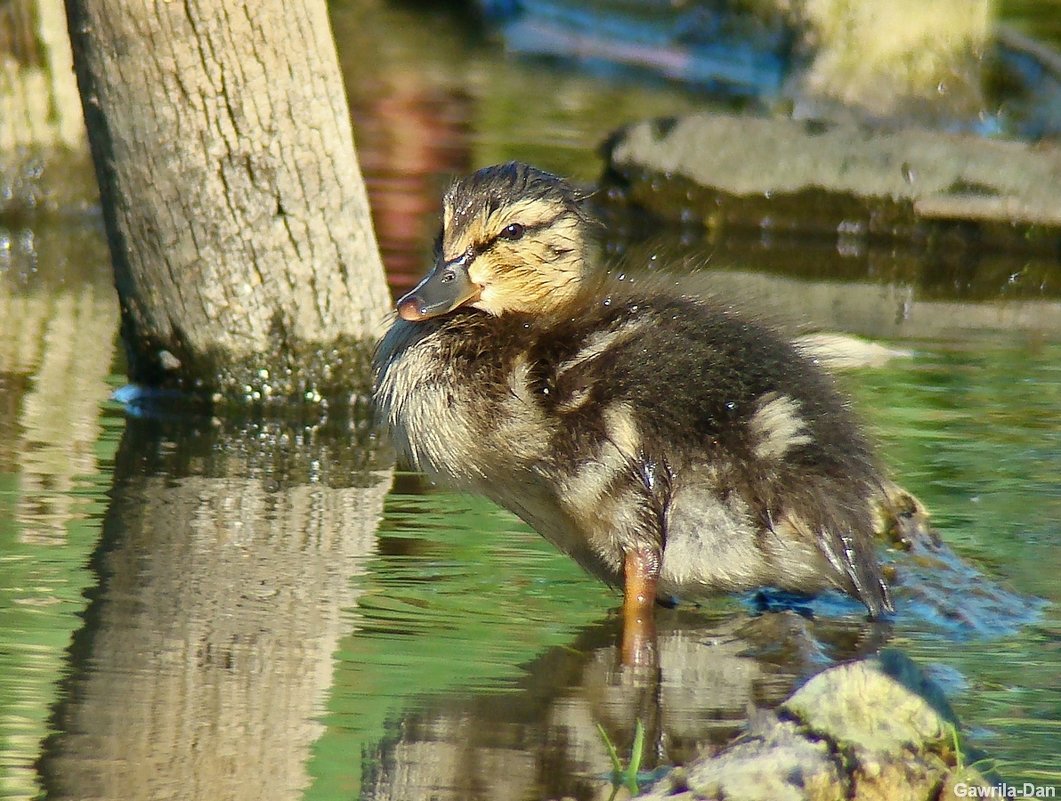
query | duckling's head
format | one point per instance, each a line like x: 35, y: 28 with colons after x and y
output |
x: 513, y: 239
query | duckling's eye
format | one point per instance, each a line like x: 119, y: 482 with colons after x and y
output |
x: 514, y: 231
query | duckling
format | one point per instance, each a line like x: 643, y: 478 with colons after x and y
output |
x: 672, y: 446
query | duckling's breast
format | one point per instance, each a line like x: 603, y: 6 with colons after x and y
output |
x: 453, y: 395
x: 463, y: 402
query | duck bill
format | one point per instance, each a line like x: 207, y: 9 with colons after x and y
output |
x: 443, y: 289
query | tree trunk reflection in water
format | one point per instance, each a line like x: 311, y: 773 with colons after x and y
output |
x: 225, y: 573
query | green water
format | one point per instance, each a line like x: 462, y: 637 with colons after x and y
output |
x: 976, y: 430
x: 234, y: 609
x: 465, y: 657
x: 463, y: 600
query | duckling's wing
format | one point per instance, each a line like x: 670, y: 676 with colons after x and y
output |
x: 689, y: 385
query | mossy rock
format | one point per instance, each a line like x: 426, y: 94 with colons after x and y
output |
x: 883, y: 705
x: 876, y: 729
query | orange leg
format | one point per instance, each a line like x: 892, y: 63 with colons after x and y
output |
x: 641, y: 574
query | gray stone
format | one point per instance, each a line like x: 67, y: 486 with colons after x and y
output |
x: 942, y: 176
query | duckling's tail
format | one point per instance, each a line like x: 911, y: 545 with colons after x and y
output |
x: 855, y: 559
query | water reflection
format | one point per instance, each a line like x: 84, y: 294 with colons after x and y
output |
x: 55, y: 446
x: 248, y: 636
x: 224, y: 567
x: 445, y: 613
x: 51, y: 384
x: 882, y: 296
x: 540, y: 740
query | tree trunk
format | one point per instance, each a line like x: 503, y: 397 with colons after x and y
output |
x: 238, y: 223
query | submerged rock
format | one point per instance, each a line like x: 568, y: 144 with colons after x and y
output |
x: 872, y: 729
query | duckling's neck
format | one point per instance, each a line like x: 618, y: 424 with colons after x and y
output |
x: 594, y: 289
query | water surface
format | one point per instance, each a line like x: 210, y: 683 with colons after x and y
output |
x: 242, y: 609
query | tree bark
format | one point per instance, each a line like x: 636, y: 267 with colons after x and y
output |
x: 238, y: 223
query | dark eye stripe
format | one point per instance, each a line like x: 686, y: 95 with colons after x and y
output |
x: 482, y: 247
x: 527, y: 229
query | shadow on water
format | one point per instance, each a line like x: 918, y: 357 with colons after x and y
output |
x: 224, y: 572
